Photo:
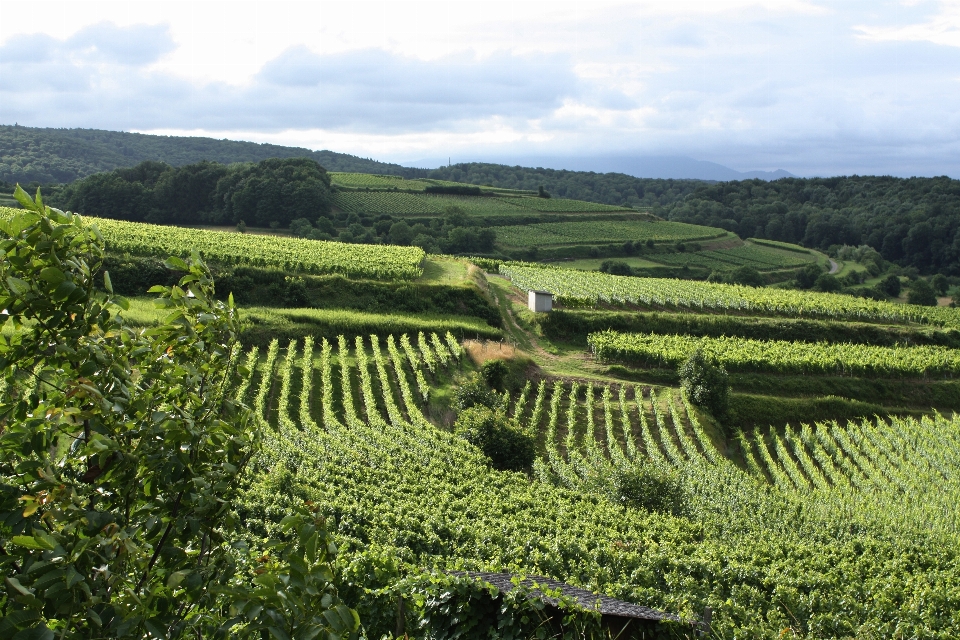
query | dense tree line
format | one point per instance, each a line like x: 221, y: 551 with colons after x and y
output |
x: 912, y: 222
x: 268, y: 193
x: 56, y: 156
x: 454, y: 232
x: 606, y: 188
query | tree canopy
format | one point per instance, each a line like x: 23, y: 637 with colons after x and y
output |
x: 272, y: 191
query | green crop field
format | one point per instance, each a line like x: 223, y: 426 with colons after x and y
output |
x: 776, y: 356
x: 429, y: 423
x: 584, y: 232
x: 383, y: 182
x: 399, y: 203
x: 353, y: 433
x: 587, y: 288
x: 382, y: 198
x: 561, y: 205
x: 761, y: 257
x: 301, y: 256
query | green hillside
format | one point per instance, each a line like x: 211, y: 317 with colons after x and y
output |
x: 29, y: 154
x: 374, y: 373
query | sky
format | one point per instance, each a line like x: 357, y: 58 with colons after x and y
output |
x: 816, y: 88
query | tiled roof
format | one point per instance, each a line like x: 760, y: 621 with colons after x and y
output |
x: 605, y: 605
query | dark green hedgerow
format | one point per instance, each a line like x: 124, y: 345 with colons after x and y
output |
x: 132, y: 276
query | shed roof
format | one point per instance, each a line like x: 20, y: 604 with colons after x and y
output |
x: 542, y: 293
x: 606, y: 605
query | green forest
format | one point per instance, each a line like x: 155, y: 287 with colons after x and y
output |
x: 56, y: 156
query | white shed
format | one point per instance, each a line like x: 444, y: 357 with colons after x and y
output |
x: 540, y: 301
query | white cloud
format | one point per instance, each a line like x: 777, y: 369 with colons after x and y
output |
x: 942, y: 28
x: 754, y: 84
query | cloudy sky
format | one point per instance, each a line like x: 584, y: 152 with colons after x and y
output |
x: 816, y: 88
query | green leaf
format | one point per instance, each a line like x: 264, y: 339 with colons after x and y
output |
x: 342, y: 618
x: 24, y: 199
x: 14, y: 584
x: 18, y: 286
x: 107, y: 284
x: 173, y: 262
x: 53, y: 275
x: 155, y: 630
x: 64, y: 290
x: 29, y: 542
x: 278, y: 633
x: 177, y: 577
x: 36, y: 633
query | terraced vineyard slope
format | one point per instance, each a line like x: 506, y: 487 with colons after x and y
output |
x: 289, y: 254
x: 353, y: 431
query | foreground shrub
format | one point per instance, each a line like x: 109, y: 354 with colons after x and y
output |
x: 707, y: 385
x: 508, y: 447
x: 120, y: 451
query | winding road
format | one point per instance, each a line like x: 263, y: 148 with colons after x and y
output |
x: 834, y: 267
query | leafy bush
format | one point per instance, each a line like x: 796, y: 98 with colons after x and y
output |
x: 475, y: 393
x: 890, y: 286
x: 828, y: 283
x: 807, y: 276
x: 650, y: 487
x: 922, y: 293
x: 747, y: 276
x: 508, y: 447
x: 120, y: 453
x: 706, y: 384
x: 494, y: 373
x: 616, y: 267
x: 940, y: 284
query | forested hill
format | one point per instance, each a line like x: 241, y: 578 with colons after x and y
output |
x: 911, y: 221
x: 607, y: 188
x: 63, y: 155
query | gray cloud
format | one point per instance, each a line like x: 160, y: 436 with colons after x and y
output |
x: 101, y: 70
x: 751, y: 91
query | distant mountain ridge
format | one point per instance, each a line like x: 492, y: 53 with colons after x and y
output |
x: 656, y: 167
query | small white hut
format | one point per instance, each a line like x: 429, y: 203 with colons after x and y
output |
x: 540, y: 301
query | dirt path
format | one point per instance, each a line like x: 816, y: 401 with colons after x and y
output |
x: 834, y: 267
x: 523, y: 339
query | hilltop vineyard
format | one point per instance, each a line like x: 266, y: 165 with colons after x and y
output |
x: 290, y: 254
x: 776, y: 356
x: 583, y: 288
x: 557, y: 233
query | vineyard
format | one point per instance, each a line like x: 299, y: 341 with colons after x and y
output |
x: 561, y: 233
x: 758, y: 257
x: 353, y: 431
x: 579, y: 288
x: 380, y: 182
x: 561, y: 205
x: 289, y: 254
x: 399, y: 203
x: 427, y: 204
x: 818, y: 523
x: 776, y: 356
